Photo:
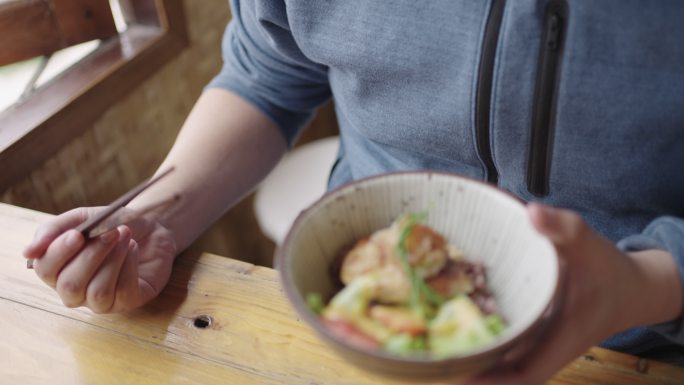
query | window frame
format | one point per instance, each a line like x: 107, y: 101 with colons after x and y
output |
x: 53, y: 25
x: 35, y: 129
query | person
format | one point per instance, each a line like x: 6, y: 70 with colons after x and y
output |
x: 575, y: 107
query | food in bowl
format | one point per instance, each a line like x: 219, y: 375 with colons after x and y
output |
x: 409, y: 292
x: 491, y: 227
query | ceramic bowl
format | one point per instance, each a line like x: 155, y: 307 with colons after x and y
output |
x: 487, y: 224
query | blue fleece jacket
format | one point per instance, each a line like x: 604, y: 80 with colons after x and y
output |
x: 576, y: 104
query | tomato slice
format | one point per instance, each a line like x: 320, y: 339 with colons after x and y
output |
x: 349, y: 333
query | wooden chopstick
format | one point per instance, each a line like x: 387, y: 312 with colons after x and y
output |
x: 85, y: 227
x: 121, y: 218
x: 91, y: 223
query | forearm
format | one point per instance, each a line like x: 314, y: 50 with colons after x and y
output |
x: 654, y: 292
x: 224, y: 149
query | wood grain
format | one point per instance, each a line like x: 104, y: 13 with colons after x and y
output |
x: 30, y: 28
x: 59, y: 350
x: 254, y: 336
x: 83, y: 20
x: 20, y: 43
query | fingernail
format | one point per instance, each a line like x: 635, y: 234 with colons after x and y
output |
x: 30, y: 244
x: 543, y: 211
x: 124, y: 232
x: 536, y: 206
x: 27, y: 250
x: 73, y: 238
x: 110, y: 236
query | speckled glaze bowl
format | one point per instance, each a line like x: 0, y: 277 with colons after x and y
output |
x: 489, y: 225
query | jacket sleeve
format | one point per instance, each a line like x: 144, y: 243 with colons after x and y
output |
x: 665, y: 233
x: 263, y: 64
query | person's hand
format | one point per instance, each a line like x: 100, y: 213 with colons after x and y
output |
x: 114, y: 272
x: 607, y: 291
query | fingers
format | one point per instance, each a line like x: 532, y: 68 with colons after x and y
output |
x: 562, y: 227
x: 127, y: 294
x: 101, y: 290
x: 103, y: 273
x: 59, y: 252
x: 572, y: 237
x: 586, y: 254
x: 73, y: 279
x: 103, y: 276
x: 52, y: 229
x: 552, y: 355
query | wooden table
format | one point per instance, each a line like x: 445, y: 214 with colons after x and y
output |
x: 253, y: 338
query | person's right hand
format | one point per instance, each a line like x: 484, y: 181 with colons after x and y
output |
x: 114, y: 272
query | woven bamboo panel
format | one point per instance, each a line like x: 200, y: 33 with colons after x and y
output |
x: 130, y: 140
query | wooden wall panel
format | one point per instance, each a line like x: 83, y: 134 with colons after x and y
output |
x: 30, y: 28
x: 83, y: 20
x: 19, y: 42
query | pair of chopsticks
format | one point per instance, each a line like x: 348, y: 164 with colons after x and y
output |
x: 105, y: 220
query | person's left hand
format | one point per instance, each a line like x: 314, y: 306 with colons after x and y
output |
x: 606, y: 292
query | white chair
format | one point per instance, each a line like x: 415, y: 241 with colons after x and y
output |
x: 300, y: 179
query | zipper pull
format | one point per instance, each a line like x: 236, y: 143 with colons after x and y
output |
x: 553, y: 32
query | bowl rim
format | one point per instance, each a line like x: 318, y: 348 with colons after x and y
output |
x: 498, y: 348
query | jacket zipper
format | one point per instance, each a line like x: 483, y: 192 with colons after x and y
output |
x: 548, y: 76
x: 484, y: 88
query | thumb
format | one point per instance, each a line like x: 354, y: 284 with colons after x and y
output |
x: 50, y: 230
x: 562, y: 227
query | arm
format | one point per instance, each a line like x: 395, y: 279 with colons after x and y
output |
x: 225, y: 147
x: 244, y: 122
x: 656, y: 297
